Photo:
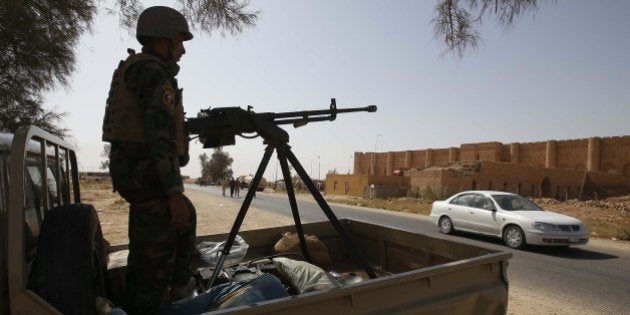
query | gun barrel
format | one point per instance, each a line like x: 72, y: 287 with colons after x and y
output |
x: 301, y: 117
x: 306, y: 113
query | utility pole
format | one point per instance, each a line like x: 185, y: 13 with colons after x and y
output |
x: 319, y: 166
x: 275, y: 183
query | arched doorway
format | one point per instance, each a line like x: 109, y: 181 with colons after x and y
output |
x: 545, y: 188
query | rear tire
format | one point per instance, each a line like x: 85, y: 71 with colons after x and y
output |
x: 71, y: 259
x: 446, y: 225
x: 514, y: 237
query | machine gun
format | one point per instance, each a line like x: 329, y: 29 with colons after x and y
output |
x: 219, y: 127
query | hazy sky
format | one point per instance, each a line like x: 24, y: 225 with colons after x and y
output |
x: 561, y: 74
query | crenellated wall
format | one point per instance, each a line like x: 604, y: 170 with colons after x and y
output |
x: 605, y: 154
x: 533, y: 153
x: 615, y: 155
x: 572, y: 154
x: 552, y: 168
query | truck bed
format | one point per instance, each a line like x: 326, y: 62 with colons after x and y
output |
x: 416, y: 274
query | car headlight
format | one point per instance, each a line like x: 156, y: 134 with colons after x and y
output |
x: 544, y: 226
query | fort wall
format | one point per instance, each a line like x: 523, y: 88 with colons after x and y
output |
x: 553, y: 168
x: 525, y: 180
x: 607, y: 154
x: 355, y: 185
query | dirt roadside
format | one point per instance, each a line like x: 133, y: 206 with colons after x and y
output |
x: 216, y: 215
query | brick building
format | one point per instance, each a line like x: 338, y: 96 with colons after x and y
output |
x: 555, y: 168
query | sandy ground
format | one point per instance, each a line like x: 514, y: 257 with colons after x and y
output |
x: 217, y: 214
x: 214, y: 214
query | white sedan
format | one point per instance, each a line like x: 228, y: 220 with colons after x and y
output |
x: 511, y: 217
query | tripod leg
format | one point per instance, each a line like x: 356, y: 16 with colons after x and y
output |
x: 241, y: 214
x: 294, y: 209
x: 286, y: 151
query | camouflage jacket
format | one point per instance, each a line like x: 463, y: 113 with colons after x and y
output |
x: 151, y: 165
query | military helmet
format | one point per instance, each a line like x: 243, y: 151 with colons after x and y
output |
x: 160, y: 21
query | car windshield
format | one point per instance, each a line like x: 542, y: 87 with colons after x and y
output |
x: 515, y: 203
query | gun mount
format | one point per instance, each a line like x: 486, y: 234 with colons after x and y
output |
x: 219, y: 126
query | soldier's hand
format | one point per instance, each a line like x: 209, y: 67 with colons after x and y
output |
x: 179, y: 210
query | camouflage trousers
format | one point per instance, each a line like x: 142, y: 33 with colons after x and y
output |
x: 159, y: 256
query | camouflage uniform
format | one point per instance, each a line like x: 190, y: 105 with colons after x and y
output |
x: 144, y: 123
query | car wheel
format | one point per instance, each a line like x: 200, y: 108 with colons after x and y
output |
x: 71, y: 259
x: 446, y: 225
x: 514, y: 237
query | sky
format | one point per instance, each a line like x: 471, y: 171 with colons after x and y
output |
x: 563, y: 73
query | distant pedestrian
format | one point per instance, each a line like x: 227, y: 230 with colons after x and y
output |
x: 232, y: 184
x: 237, y: 188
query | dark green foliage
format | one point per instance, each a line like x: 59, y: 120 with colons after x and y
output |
x: 39, y: 40
x: 217, y: 168
x: 456, y: 21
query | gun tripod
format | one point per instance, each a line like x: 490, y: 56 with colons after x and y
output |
x: 284, y: 153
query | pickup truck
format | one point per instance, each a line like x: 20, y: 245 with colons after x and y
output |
x: 54, y: 259
x: 246, y: 181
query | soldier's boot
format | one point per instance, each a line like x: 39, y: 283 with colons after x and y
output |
x: 184, y: 290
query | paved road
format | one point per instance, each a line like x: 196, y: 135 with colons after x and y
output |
x: 594, y: 278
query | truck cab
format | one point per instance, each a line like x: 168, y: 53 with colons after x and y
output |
x: 41, y: 215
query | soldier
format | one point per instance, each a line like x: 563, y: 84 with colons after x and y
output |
x: 232, y: 187
x: 144, y: 122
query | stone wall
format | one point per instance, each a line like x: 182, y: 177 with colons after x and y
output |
x: 553, y: 168
x: 355, y: 185
x: 384, y: 192
x: 610, y: 154
x: 615, y: 155
x: 525, y: 180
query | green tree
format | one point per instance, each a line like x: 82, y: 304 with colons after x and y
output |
x: 456, y: 22
x: 39, y: 39
x: 218, y: 167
